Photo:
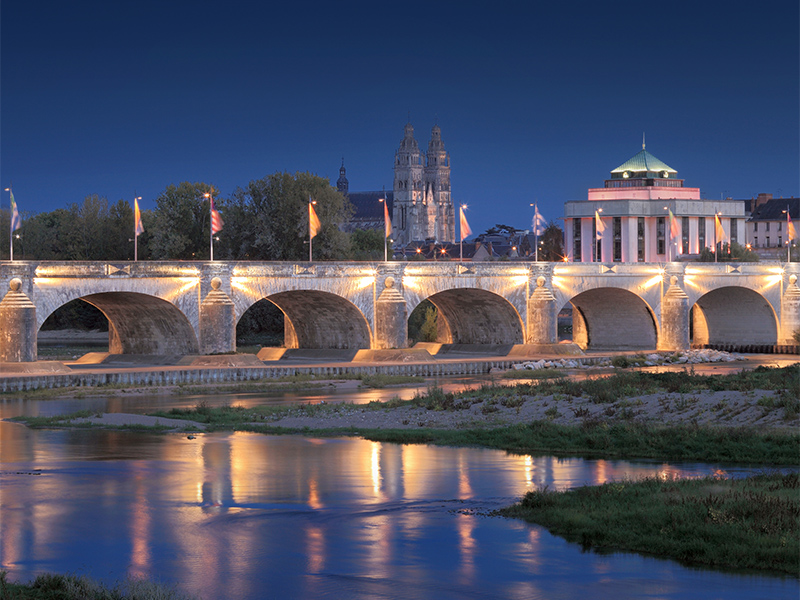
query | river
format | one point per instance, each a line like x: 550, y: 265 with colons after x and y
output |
x: 239, y: 515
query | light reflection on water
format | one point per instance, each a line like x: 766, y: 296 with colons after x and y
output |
x: 238, y: 515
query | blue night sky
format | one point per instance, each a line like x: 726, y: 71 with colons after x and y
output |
x: 537, y: 101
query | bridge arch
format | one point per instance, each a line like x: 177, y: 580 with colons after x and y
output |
x: 733, y: 315
x: 612, y: 319
x: 475, y: 316
x: 143, y: 324
x: 316, y: 319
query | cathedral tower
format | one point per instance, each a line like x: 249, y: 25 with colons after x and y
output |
x: 441, y: 222
x: 422, y: 206
x: 409, y: 220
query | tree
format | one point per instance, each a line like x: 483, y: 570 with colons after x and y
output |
x: 367, y: 244
x: 180, y: 226
x: 551, y: 243
x: 729, y: 253
x: 269, y: 219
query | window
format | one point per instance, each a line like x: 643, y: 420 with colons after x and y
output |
x: 576, y: 240
x: 755, y: 242
x: 701, y: 233
x: 767, y: 241
x: 767, y: 226
x: 734, y: 232
x: 640, y: 240
x: 755, y: 226
x: 660, y: 235
x: 596, y: 249
x: 685, y: 235
x: 780, y: 225
x: 617, y: 239
x: 780, y: 240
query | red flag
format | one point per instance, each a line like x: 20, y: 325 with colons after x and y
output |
x: 313, y: 221
x: 791, y: 232
x: 465, y: 230
x: 216, y: 220
x: 387, y: 222
x: 137, y: 218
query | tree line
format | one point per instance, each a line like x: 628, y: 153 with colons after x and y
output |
x: 265, y: 220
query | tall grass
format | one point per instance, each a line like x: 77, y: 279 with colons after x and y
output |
x: 751, y: 523
x: 73, y: 587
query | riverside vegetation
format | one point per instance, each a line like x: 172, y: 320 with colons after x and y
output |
x: 72, y: 587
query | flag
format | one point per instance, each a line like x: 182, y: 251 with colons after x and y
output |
x: 216, y: 220
x: 465, y: 230
x: 313, y: 221
x: 137, y: 218
x: 791, y: 232
x: 539, y: 224
x: 598, y: 222
x: 16, y: 220
x: 387, y: 222
x: 718, y: 230
x: 673, y: 225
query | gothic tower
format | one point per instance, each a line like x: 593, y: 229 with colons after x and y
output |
x: 409, y: 220
x: 440, y: 213
x: 342, y: 184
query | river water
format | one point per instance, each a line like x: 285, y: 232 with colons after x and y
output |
x: 239, y: 515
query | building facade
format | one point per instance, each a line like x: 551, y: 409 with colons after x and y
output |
x: 422, y: 207
x: 768, y: 224
x: 628, y: 220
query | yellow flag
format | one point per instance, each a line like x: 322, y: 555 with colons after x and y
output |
x: 791, y: 232
x: 313, y: 221
x: 720, y: 232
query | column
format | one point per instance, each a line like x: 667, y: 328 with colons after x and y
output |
x: 391, y: 317
x: 674, y: 318
x: 18, y: 328
x: 542, y: 315
x: 790, y: 312
x: 217, y: 322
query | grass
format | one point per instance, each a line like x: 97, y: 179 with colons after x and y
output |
x: 73, y: 587
x: 619, y: 440
x: 742, y: 524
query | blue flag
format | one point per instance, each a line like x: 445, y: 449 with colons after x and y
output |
x: 16, y: 220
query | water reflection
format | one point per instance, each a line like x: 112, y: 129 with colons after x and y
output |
x: 249, y: 516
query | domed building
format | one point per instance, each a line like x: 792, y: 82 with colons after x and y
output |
x: 629, y: 220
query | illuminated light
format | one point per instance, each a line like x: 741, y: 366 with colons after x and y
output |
x: 775, y: 270
x: 773, y: 280
x: 691, y: 270
x: 519, y: 280
x: 652, y: 281
x: 365, y: 282
x: 559, y: 283
x: 410, y: 282
x: 181, y: 290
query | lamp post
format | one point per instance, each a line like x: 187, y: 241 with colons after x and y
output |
x: 210, y: 227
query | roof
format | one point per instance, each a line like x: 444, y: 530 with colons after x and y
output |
x: 773, y: 210
x: 368, y: 206
x: 643, y: 162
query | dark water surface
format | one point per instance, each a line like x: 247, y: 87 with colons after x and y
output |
x: 238, y: 515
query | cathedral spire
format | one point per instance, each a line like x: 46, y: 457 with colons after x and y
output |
x: 342, y: 184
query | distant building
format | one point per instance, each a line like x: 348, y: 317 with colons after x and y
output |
x: 420, y: 204
x: 422, y: 208
x: 368, y: 206
x: 632, y: 210
x: 766, y: 227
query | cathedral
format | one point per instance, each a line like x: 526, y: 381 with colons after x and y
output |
x: 419, y: 204
x: 422, y: 207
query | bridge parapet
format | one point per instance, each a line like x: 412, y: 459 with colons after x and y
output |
x: 351, y: 304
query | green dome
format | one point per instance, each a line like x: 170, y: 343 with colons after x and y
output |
x: 644, y: 162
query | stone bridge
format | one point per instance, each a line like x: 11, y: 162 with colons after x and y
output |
x: 193, y: 307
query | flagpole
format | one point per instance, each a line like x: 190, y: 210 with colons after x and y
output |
x: 536, y: 231
x: 11, y: 230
